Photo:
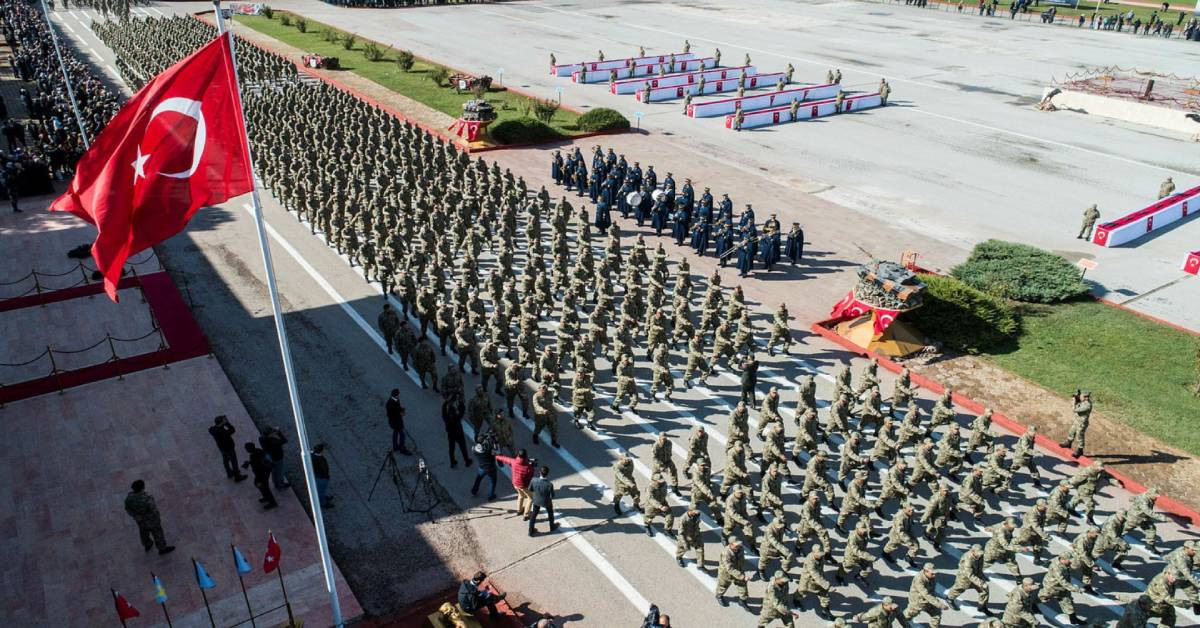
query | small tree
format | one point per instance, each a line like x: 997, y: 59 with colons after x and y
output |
x: 267, y: 12
x: 302, y: 25
x: 372, y: 51
x: 544, y: 110
x: 329, y: 35
x: 285, y: 19
x: 348, y: 41
x: 405, y: 59
x: 438, y: 75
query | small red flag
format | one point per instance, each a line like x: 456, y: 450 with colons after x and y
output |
x: 125, y: 610
x: 271, y: 559
x: 178, y: 145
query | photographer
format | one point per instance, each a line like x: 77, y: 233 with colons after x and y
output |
x: 485, y: 456
x: 655, y: 618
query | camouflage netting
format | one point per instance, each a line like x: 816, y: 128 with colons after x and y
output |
x: 888, y: 285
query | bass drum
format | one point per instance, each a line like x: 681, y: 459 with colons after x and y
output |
x: 633, y: 199
x: 657, y: 195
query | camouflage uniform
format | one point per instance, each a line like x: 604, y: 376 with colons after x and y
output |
x: 805, y: 442
x: 424, y: 362
x: 656, y: 505
x: 734, y: 473
x: 950, y: 456
x: 981, y: 432
x: 902, y: 392
x: 922, y: 596
x: 970, y: 576
x: 662, y: 372
x: 855, y: 556
x: 996, y: 476
x: 1140, y: 514
x: 882, y: 615
x: 1023, y: 456
x: 938, y: 509
x: 1161, y: 592
x: 688, y: 538
x: 771, y: 546
x: 1185, y: 559
x: 810, y: 525
x: 1001, y: 547
x: 735, y: 516
x: 697, y: 449
x: 544, y: 415
x: 780, y: 332
x: 623, y: 484
x: 514, y: 388
x: 901, y: 535
x: 583, y: 399
x: 1032, y: 532
x: 1056, y: 585
x: 1057, y: 505
x: 776, y: 602
x: 813, y: 582
x: 405, y: 342
x: 773, y: 453
x: 1018, y: 611
x: 1083, y: 555
x: 815, y: 477
x: 489, y: 365
x: 855, y: 501
x: 663, y: 461
x: 770, y: 494
x: 702, y: 493
x: 732, y: 572
x: 768, y: 412
x: 1085, y: 483
x: 1077, y: 436
x: 894, y: 486
x: 144, y: 511
x: 1112, y: 535
x: 627, y: 391
x: 943, y: 411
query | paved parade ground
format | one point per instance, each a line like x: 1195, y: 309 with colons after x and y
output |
x: 959, y: 155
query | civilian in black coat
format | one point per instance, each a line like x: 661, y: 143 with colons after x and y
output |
x: 452, y: 415
x: 395, y: 415
x: 543, y: 497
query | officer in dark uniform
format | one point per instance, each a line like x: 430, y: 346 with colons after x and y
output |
x: 795, y: 244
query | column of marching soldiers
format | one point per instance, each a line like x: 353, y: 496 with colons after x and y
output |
x: 463, y: 246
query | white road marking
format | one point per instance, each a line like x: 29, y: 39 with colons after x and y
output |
x: 639, y: 602
x: 160, y: 13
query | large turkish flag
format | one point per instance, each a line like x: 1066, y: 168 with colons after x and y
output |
x: 178, y: 145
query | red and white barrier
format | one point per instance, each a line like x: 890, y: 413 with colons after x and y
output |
x: 762, y: 101
x: 1156, y: 216
x: 649, y: 69
x: 567, y: 69
x: 815, y: 109
x: 630, y: 86
x: 1191, y: 263
x: 714, y: 87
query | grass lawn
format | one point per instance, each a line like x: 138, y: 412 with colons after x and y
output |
x: 413, y: 84
x: 1140, y: 373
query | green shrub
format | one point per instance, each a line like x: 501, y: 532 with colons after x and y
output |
x: 544, y: 110
x: 405, y: 59
x: 1020, y: 272
x: 302, y: 25
x: 372, y: 51
x: 285, y: 19
x: 329, y: 35
x: 602, y: 119
x: 438, y: 75
x: 348, y: 41
x: 963, y: 318
x: 267, y: 12
x: 523, y: 131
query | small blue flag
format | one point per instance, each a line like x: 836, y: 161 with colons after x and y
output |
x: 160, y: 593
x: 202, y: 579
x: 243, y: 567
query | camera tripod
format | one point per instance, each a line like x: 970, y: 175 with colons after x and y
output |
x: 422, y: 497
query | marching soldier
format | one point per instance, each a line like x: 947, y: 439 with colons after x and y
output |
x: 901, y: 535
x: 423, y: 363
x: 770, y: 496
x: 810, y: 525
x: 489, y: 364
x: 736, y: 516
x: 776, y: 602
x: 1083, y: 555
x: 943, y: 411
x: 1032, y: 532
x: 702, y: 493
x: 735, y: 473
x: 656, y: 505
x: 688, y: 539
x: 768, y: 412
x: 1056, y: 585
x: 922, y: 597
x: 697, y: 449
x: 405, y: 343
x: 696, y: 364
x: 514, y: 388
x: 805, y: 442
x: 996, y: 476
x: 389, y: 324
x: 780, y: 332
x: 894, y: 486
x: 1023, y: 454
x: 856, y: 502
x: 773, y: 453
x: 902, y: 392
x: 1161, y: 592
x: 623, y: 484
x: 970, y: 576
x: 856, y: 557
x: 1184, y: 560
x: 849, y: 458
x: 970, y: 492
x: 467, y: 347
x: 662, y: 372
x: 732, y: 572
x: 981, y: 432
x: 1057, y: 505
x: 1086, y: 482
x: 882, y: 615
x: 479, y: 409
x: 813, y: 582
x: 772, y: 546
x: 1112, y: 537
x: 1140, y: 515
x: 544, y: 416
x: 1018, y: 611
x: 1002, y: 547
x: 583, y: 399
x: 663, y: 461
x: 937, y: 511
x: 949, y: 455
x: 626, y: 386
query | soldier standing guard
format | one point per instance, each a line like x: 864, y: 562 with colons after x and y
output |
x: 141, y: 507
x: 1090, y: 216
x: 1077, y: 437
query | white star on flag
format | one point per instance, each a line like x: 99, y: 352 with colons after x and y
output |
x: 139, y: 165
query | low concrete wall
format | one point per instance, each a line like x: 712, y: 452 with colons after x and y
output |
x: 1127, y: 110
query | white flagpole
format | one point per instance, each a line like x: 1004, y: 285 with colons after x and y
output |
x: 87, y: 143
x: 288, y: 370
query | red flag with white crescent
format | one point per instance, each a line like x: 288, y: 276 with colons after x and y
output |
x: 883, y: 318
x: 178, y: 145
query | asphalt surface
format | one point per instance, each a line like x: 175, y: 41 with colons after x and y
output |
x: 598, y: 570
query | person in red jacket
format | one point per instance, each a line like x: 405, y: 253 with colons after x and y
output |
x: 522, y: 474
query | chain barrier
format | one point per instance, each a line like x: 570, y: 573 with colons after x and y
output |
x: 85, y: 277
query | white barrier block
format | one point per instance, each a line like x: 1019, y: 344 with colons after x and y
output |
x: 763, y: 101
x: 567, y: 69
x: 715, y: 87
x: 1155, y: 216
x: 631, y: 86
x: 650, y: 69
x: 814, y: 109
